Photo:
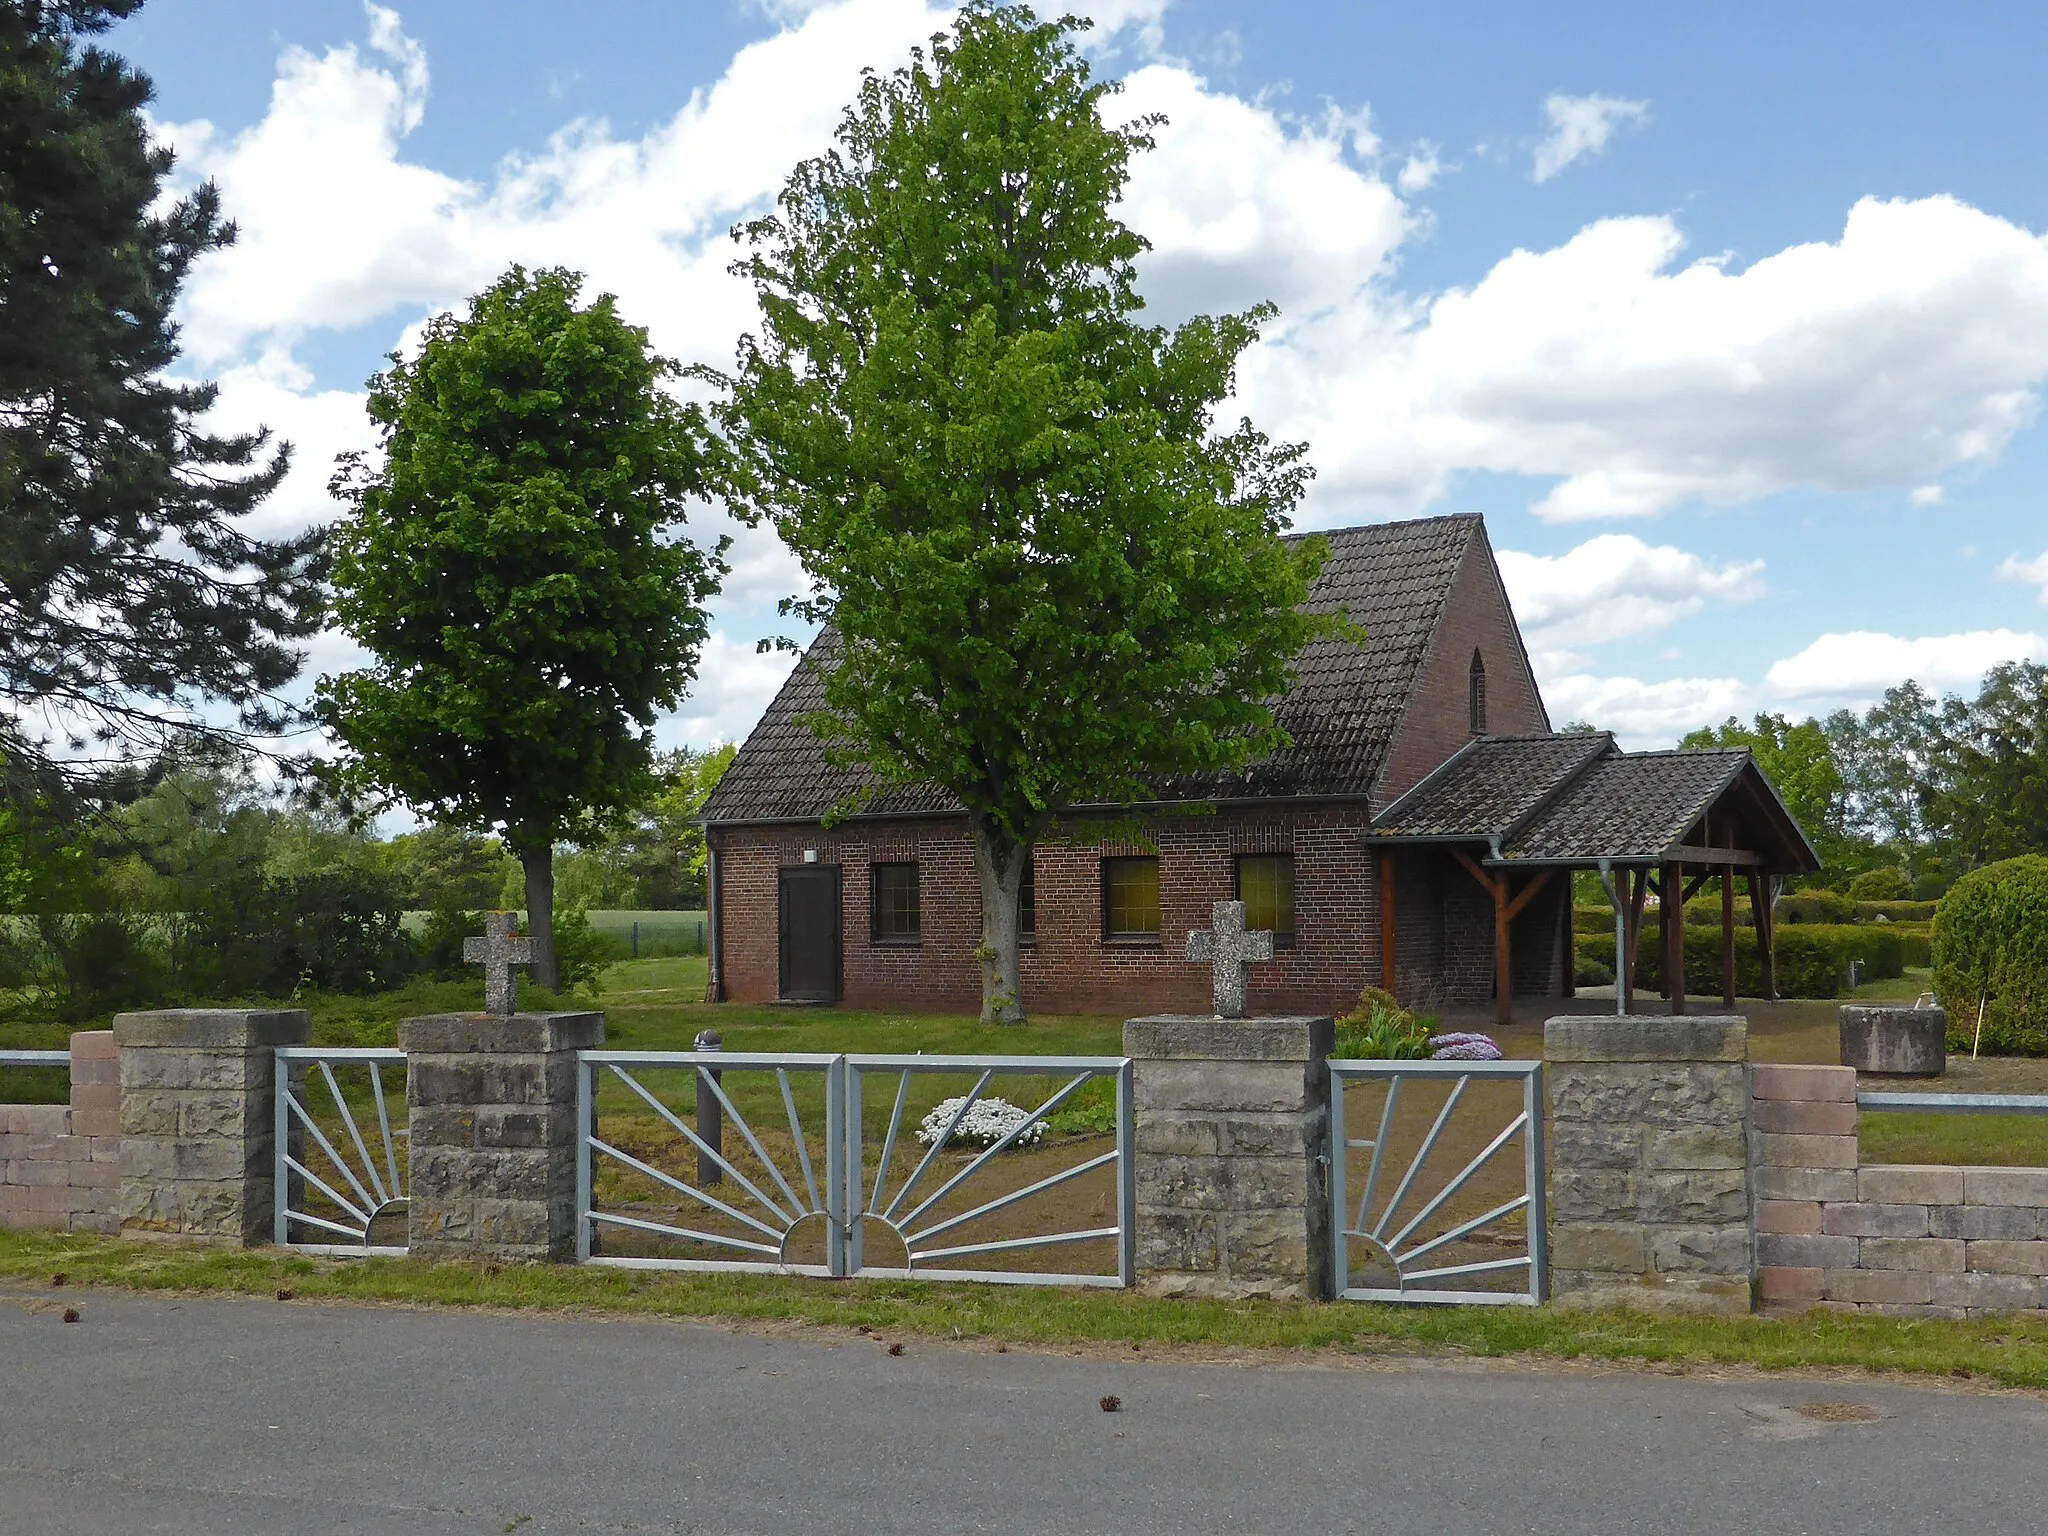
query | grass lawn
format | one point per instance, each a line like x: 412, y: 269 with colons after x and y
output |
x: 2008, y: 1352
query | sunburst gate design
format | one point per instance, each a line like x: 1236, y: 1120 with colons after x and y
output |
x: 765, y: 1206
x: 1407, y: 1242
x: 332, y: 1181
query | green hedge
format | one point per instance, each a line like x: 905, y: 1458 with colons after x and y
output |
x: 1813, y: 960
x: 1991, y: 946
x: 1814, y: 909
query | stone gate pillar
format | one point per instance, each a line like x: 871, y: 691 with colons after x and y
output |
x: 491, y: 1101
x: 1232, y: 1120
x: 1649, y: 1142
x: 197, y: 1125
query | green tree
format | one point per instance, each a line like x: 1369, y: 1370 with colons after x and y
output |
x: 512, y: 566
x: 1989, y: 793
x: 1799, y: 760
x: 1051, y: 580
x: 130, y: 590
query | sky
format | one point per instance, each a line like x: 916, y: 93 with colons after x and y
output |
x: 1732, y: 320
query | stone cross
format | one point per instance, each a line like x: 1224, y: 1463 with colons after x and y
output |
x: 1228, y: 948
x: 497, y: 952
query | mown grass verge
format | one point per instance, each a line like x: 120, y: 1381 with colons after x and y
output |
x: 2011, y: 1352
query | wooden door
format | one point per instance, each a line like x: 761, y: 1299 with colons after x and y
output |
x: 808, y: 971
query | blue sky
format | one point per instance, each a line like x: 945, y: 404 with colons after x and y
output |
x: 1732, y: 320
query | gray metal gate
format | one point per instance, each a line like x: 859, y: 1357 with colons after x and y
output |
x: 342, y: 1164
x: 1420, y: 1232
x: 710, y: 1160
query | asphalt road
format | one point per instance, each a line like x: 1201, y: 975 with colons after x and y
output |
x: 222, y: 1417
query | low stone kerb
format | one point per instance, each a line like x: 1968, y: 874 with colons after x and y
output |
x: 1196, y: 1037
x: 447, y: 1034
x: 1646, y: 1037
x: 212, y: 1029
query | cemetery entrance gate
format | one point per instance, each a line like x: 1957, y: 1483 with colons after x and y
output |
x: 871, y: 1165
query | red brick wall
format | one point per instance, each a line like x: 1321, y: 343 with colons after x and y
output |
x: 1438, y: 719
x: 60, y: 1167
x: 1070, y: 968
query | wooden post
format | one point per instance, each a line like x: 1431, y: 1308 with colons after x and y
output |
x: 1671, y: 910
x: 1504, y: 914
x: 1766, y: 923
x: 1388, y: 974
x: 1728, y: 938
x: 1663, y: 928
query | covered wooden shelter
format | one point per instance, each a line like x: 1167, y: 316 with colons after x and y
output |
x: 1516, y: 813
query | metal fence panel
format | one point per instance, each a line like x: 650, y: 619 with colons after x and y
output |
x: 1454, y: 1233
x: 666, y: 1190
x: 342, y: 1163
x: 753, y: 1190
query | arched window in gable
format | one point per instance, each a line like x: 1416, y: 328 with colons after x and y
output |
x: 1478, y: 695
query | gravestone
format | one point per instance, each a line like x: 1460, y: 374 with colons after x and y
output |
x: 1227, y: 949
x: 1905, y: 1042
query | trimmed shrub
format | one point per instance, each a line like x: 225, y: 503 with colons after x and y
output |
x: 1813, y: 961
x: 1816, y: 907
x: 1889, y: 883
x: 1991, y: 945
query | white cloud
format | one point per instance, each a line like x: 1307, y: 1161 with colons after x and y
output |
x: 2033, y: 572
x: 1912, y: 345
x: 1419, y: 171
x: 1241, y: 206
x: 1615, y: 586
x: 734, y: 684
x: 1644, y: 714
x: 1581, y: 126
x: 1859, y: 666
x: 1927, y: 496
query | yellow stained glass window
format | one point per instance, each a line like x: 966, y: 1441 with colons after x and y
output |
x: 1130, y: 898
x: 1265, y: 884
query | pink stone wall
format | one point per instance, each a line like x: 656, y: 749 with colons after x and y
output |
x: 1905, y: 1239
x: 60, y: 1166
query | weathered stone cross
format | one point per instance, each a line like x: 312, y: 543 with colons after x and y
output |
x: 1228, y: 948
x: 497, y: 952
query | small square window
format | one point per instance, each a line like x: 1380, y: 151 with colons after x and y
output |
x: 1130, y: 899
x: 1265, y: 884
x: 895, y: 896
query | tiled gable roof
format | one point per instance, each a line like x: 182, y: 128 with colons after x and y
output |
x: 1393, y: 578
x: 1491, y: 785
x: 1628, y: 806
x: 1577, y: 799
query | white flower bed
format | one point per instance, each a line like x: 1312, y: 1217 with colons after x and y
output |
x: 987, y: 1123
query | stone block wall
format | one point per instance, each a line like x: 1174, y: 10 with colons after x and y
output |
x: 491, y: 1105
x: 197, y: 1119
x: 1906, y: 1239
x: 60, y: 1165
x: 1232, y: 1187
x: 1649, y: 1185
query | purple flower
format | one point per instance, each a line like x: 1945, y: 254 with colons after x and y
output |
x: 1463, y: 1045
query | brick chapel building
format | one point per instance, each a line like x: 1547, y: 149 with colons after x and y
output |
x: 1419, y: 834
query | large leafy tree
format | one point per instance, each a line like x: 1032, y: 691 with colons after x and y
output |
x: 1988, y: 791
x: 1798, y: 759
x: 131, y: 594
x: 1051, y: 579
x: 514, y: 566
